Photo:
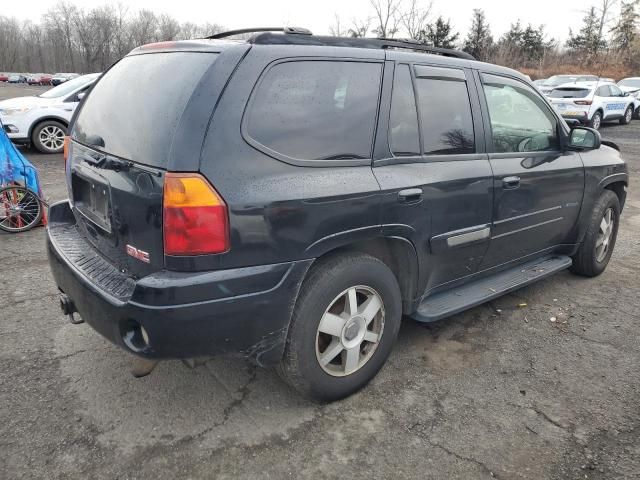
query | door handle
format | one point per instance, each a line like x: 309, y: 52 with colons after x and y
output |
x: 509, y: 183
x: 410, y: 195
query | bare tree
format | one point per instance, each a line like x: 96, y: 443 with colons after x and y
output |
x: 387, y: 17
x: 359, y: 28
x: 415, y: 19
x: 337, y: 28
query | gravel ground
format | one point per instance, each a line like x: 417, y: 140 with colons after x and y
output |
x: 496, y: 392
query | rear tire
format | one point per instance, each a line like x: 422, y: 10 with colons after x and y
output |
x: 628, y: 115
x: 596, y: 121
x: 48, y: 136
x: 332, y: 348
x: 594, y: 253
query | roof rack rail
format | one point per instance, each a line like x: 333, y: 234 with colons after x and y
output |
x: 418, y: 46
x: 269, y: 38
x: 287, y: 30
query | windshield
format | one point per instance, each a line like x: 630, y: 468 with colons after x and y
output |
x: 630, y: 82
x: 569, y: 93
x: 67, y: 87
x: 558, y: 80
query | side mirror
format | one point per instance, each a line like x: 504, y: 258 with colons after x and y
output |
x: 625, y: 94
x: 584, y: 138
x: 81, y: 95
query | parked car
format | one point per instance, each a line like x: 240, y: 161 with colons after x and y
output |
x: 291, y: 196
x: 557, y: 80
x: 17, y: 78
x: 4, y: 77
x: 631, y: 85
x: 539, y: 82
x: 45, y: 79
x: 34, y: 79
x: 59, y: 78
x: 592, y: 103
x: 42, y: 120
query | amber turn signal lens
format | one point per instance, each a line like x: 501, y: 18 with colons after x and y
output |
x: 195, y: 218
x: 65, y: 148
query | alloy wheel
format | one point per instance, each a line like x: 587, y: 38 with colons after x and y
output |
x: 52, y: 137
x: 605, y: 232
x: 350, y: 331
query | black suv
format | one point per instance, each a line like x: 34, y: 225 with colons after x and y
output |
x: 291, y: 197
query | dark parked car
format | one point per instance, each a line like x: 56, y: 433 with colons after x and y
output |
x: 290, y: 197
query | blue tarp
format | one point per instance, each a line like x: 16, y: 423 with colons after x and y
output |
x: 15, y: 169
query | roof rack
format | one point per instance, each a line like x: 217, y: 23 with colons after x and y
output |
x: 302, y: 36
x: 287, y: 30
x: 378, y: 43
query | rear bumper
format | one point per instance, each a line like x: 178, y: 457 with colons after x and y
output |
x: 244, y: 310
x: 582, y: 118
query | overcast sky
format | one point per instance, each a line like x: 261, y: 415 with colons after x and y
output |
x: 556, y: 15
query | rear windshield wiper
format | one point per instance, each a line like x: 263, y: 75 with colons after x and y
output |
x: 107, y: 163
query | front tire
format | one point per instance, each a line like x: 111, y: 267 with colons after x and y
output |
x: 628, y: 115
x: 48, y: 137
x: 595, y: 251
x: 344, y: 324
x: 596, y: 121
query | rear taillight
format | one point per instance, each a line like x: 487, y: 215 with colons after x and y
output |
x: 195, y: 219
x: 582, y: 102
x: 65, y: 149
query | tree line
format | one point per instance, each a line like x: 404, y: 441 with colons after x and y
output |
x: 71, y: 38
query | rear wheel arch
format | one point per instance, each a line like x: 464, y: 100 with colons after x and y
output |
x: 397, y: 253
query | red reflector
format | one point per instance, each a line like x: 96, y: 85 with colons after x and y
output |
x: 195, y: 220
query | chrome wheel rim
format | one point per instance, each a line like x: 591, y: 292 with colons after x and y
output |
x: 605, y: 232
x: 350, y: 331
x: 628, y: 115
x: 51, y: 137
x: 596, y: 122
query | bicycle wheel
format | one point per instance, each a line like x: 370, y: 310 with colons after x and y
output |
x: 20, y: 209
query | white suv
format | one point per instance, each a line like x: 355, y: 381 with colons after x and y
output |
x: 42, y: 120
x: 631, y: 85
x: 592, y: 103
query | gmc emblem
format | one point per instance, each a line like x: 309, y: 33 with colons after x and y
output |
x: 139, y: 254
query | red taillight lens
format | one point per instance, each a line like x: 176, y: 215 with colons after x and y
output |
x: 195, y: 220
x: 582, y: 102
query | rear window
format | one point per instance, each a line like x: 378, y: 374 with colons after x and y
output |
x: 445, y: 114
x: 133, y: 111
x: 316, y: 110
x: 570, y: 93
x: 630, y: 82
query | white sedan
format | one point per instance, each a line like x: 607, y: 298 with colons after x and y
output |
x: 42, y: 120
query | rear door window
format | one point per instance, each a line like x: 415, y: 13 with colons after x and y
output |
x: 315, y: 110
x: 404, y: 139
x: 134, y: 109
x: 603, y: 91
x: 445, y: 111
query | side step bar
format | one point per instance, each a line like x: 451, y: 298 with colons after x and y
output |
x: 450, y: 302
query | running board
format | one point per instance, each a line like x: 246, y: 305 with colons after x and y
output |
x: 450, y: 302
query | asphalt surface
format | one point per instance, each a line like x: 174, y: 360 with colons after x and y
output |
x: 500, y: 391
